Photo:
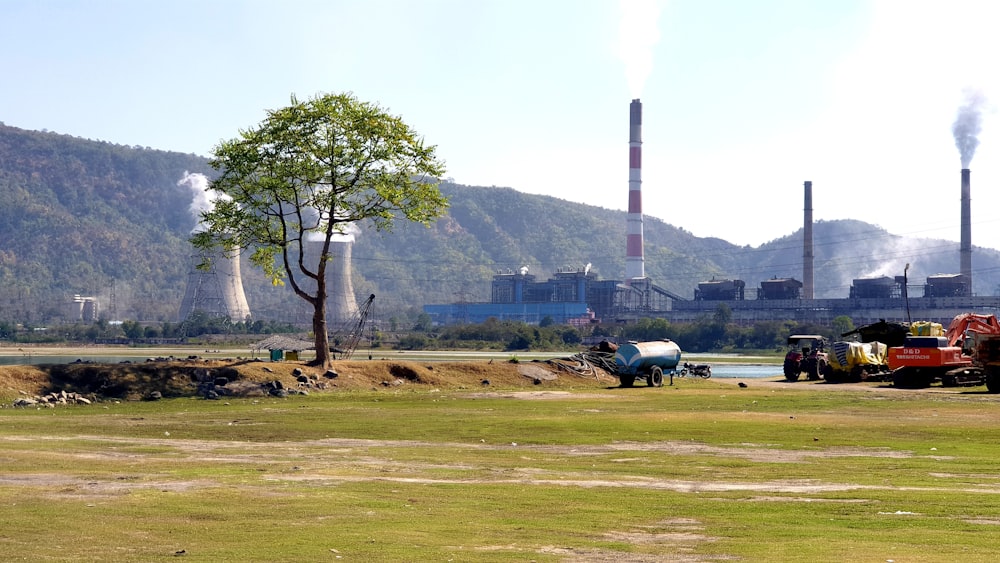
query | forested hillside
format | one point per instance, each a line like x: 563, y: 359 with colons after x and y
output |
x: 99, y: 219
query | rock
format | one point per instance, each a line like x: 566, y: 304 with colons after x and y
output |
x: 296, y: 372
x: 302, y: 378
x: 221, y: 381
x: 154, y: 396
x: 330, y: 374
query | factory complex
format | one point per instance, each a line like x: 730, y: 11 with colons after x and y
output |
x: 579, y: 298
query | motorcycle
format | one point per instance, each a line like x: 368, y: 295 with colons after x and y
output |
x: 696, y: 370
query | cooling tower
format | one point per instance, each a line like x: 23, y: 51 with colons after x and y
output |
x: 218, y: 291
x: 634, y: 261
x: 808, y: 287
x: 341, y: 304
x: 965, y: 251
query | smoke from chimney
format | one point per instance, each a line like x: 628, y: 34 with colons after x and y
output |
x: 637, y: 34
x: 968, y: 125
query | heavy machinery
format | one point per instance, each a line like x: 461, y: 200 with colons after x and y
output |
x: 986, y: 356
x: 930, y: 354
x: 856, y: 361
x: 647, y: 360
x: 807, y: 355
x: 867, y: 360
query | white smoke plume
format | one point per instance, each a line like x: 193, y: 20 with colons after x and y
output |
x: 202, y: 198
x: 637, y: 35
x: 968, y: 124
x: 348, y: 231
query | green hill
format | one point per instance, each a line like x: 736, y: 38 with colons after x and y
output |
x: 98, y: 219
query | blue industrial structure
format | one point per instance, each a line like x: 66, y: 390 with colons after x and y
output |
x: 568, y: 297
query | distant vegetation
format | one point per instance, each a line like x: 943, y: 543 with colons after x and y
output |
x: 104, y: 220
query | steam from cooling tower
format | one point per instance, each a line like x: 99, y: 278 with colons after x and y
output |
x: 203, y: 198
x: 968, y: 125
x: 637, y: 35
x: 217, y: 291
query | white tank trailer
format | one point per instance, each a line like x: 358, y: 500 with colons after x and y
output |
x: 646, y: 360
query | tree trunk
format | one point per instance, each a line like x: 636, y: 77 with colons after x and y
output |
x: 323, y: 355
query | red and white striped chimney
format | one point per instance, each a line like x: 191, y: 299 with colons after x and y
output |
x: 965, y: 248
x: 634, y: 261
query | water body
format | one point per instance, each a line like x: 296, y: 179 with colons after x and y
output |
x: 744, y: 371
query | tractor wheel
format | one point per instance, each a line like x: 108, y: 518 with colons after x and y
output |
x: 655, y: 377
x: 816, y: 369
x: 792, y: 369
x: 626, y: 380
x: 993, y: 382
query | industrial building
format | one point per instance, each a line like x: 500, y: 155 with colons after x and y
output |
x: 578, y: 296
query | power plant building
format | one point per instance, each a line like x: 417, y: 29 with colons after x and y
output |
x: 576, y: 296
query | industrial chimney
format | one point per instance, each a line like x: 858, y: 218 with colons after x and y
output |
x: 965, y: 251
x: 808, y: 287
x: 217, y: 291
x: 634, y: 262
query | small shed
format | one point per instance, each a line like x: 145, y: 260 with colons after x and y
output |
x: 282, y: 347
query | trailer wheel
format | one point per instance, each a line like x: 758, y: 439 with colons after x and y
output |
x: 626, y: 380
x: 655, y: 377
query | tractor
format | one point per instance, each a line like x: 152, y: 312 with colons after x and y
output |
x: 807, y: 355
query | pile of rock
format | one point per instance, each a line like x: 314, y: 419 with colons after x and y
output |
x: 52, y: 399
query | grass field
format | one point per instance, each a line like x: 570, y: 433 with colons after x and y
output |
x: 582, y: 471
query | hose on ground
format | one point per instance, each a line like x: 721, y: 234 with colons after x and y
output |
x: 586, y: 364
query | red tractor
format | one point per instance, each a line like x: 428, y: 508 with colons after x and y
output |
x: 807, y: 355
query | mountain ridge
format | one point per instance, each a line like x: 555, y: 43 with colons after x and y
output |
x: 94, y: 218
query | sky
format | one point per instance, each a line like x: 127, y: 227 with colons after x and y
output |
x: 742, y: 101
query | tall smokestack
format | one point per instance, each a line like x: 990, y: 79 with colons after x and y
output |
x: 807, y: 245
x: 965, y: 251
x: 634, y: 261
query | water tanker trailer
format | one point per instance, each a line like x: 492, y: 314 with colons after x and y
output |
x: 646, y: 360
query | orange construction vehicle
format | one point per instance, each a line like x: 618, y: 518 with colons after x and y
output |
x: 930, y: 354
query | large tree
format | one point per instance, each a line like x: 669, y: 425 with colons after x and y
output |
x: 307, y: 173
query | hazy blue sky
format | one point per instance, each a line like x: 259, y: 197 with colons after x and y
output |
x: 744, y: 100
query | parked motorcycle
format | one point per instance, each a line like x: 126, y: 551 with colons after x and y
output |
x: 696, y: 370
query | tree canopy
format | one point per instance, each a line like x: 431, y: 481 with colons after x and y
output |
x: 305, y: 175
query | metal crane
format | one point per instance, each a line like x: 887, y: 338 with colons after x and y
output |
x: 352, y: 331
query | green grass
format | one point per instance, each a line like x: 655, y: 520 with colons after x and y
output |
x: 703, y: 471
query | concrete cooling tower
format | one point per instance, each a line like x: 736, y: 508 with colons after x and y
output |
x: 341, y: 303
x: 218, y: 291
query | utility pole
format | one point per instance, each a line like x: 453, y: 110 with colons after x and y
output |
x: 906, y: 293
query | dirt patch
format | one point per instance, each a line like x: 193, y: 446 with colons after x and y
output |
x: 182, y: 377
